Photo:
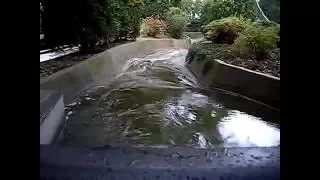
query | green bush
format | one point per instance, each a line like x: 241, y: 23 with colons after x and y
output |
x: 177, y: 22
x: 258, y: 40
x: 144, y: 29
x: 226, y: 30
x: 217, y: 9
x: 193, y: 26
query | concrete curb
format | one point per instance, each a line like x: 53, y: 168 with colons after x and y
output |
x: 194, y: 35
x: 258, y: 86
x: 51, y: 115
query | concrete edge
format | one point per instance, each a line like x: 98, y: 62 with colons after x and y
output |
x: 68, y: 69
x: 160, y: 163
x: 260, y: 87
x: 48, y: 101
x: 255, y: 85
x: 103, y: 66
x: 193, y: 35
x: 248, y: 70
x: 52, y: 123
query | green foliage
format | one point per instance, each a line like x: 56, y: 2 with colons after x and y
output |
x: 155, y: 8
x: 144, y: 29
x: 125, y: 18
x: 176, y: 3
x: 217, y: 9
x: 194, y: 26
x: 226, y: 30
x: 245, y: 8
x: 192, y: 8
x: 258, y: 40
x: 271, y: 9
x: 177, y: 21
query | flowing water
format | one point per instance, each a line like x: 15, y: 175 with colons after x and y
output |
x: 156, y: 101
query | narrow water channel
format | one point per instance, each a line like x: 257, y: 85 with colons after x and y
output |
x: 156, y: 101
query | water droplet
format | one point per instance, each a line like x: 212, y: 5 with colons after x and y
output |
x: 72, y: 104
x: 89, y: 98
x: 224, y: 150
x: 256, y: 157
x: 235, y: 155
x: 134, y: 162
x: 213, y: 114
x: 69, y: 113
x: 177, y: 155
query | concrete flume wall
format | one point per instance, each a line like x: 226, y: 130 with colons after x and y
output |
x: 102, y: 67
x: 194, y: 35
x: 259, y: 86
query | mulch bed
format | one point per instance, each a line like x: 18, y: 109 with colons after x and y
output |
x: 51, y: 66
x: 269, y: 66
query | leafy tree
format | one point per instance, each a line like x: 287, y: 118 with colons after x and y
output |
x: 177, y: 21
x: 217, y: 9
x: 192, y: 8
x: 197, y: 5
x: 59, y: 21
x: 155, y: 8
x: 271, y: 9
x: 90, y: 22
x: 176, y: 3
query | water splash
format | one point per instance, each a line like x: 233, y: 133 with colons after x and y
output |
x: 155, y: 101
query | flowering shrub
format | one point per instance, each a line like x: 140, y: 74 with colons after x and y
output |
x: 154, y: 26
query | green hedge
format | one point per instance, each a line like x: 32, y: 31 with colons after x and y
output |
x: 177, y: 22
x: 225, y: 30
x: 258, y: 39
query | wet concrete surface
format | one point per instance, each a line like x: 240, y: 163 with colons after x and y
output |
x: 160, y: 163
